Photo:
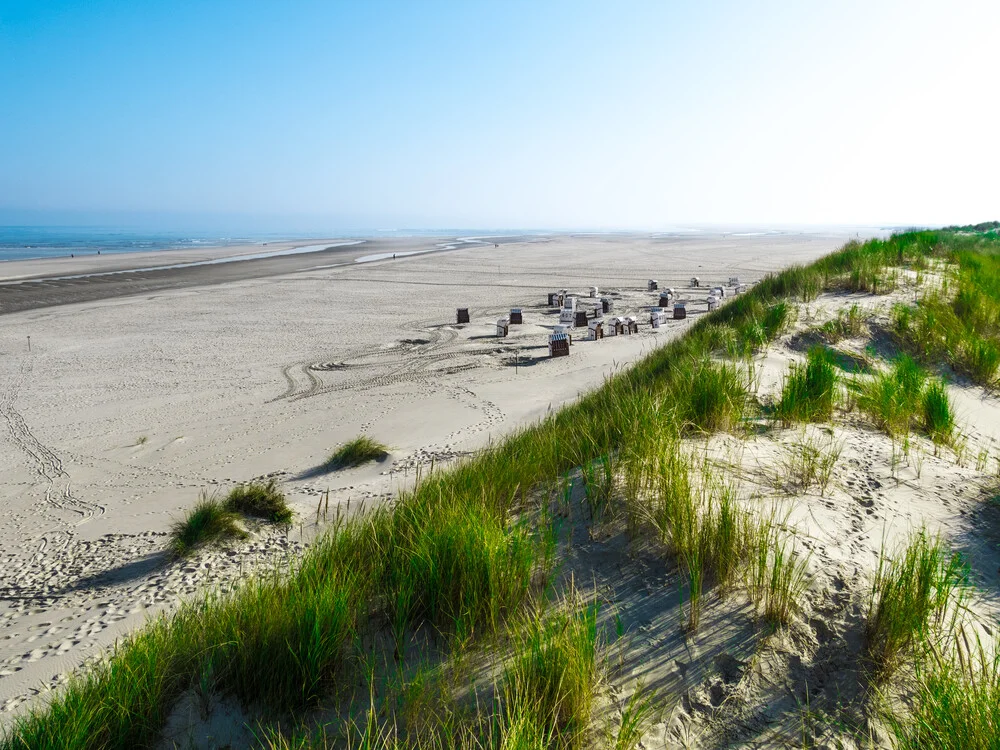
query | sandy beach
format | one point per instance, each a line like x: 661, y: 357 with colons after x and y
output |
x: 143, y: 389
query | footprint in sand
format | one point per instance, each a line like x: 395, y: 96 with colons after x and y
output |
x: 35, y: 655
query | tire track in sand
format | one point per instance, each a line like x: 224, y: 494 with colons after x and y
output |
x: 403, y: 361
x: 44, y: 462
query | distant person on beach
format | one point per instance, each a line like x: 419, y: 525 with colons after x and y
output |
x: 394, y: 256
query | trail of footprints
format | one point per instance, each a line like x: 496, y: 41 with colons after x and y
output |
x: 100, y: 583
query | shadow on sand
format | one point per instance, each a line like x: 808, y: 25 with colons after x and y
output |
x: 330, y: 468
x: 133, y: 570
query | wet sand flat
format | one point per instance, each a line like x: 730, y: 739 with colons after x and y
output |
x: 33, y: 284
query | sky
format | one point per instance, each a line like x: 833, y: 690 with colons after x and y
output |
x: 336, y: 116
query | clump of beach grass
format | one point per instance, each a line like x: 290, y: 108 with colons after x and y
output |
x: 911, y: 596
x: 872, y: 275
x: 542, y: 698
x: 716, y: 542
x: 209, y: 521
x: 807, y: 462
x: 960, y: 328
x: 706, y: 396
x: 938, y: 419
x: 847, y: 325
x: 282, y: 644
x: 891, y: 398
x: 456, y: 566
x: 802, y: 283
x: 360, y: 450
x: 755, y: 324
x: 710, y: 542
x: 777, y: 575
x: 259, y: 500
x: 809, y: 393
x: 550, y: 682
x: 635, y: 718
x: 599, y: 485
x: 903, y: 398
x: 955, y: 705
x: 980, y: 358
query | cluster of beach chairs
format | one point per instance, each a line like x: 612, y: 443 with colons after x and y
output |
x: 572, y: 315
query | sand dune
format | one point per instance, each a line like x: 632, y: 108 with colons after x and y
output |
x: 127, y: 407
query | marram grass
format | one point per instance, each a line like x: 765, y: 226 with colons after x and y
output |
x: 542, y: 699
x: 356, y: 452
x: 904, y: 398
x: 550, y: 682
x: 955, y: 705
x: 695, y: 514
x: 937, y: 417
x: 961, y: 329
x: 209, y: 521
x: 912, y: 595
x: 259, y: 500
x: 808, y: 462
x: 847, y: 325
x: 213, y: 520
x: 809, y: 393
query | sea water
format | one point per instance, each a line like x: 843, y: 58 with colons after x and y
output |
x: 23, y: 242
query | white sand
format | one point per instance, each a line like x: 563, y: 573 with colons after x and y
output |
x: 126, y: 409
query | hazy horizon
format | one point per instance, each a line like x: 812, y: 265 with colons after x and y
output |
x: 204, y: 228
x: 313, y: 117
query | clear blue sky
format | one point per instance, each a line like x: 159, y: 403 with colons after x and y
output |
x: 345, y: 115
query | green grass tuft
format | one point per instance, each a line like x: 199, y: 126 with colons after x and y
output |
x: 549, y: 684
x: 456, y: 566
x: 847, y: 325
x: 809, y: 393
x: 776, y: 574
x: 903, y: 398
x: 355, y: 452
x: 955, y: 706
x: 809, y: 462
x: 209, y: 521
x: 980, y: 358
x: 911, y: 596
x: 938, y: 419
x: 543, y: 698
x: 259, y: 500
x: 892, y: 398
x: 709, y: 397
x: 695, y: 514
x: 873, y: 276
x: 635, y: 719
